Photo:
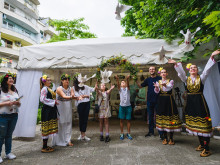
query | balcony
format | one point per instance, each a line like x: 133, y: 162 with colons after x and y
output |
x: 9, y: 51
x: 22, y: 20
x: 50, y: 30
x: 18, y: 34
x: 27, y: 6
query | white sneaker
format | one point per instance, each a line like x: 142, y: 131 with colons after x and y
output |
x: 10, y: 156
x: 80, y: 137
x: 1, y: 160
x: 86, y: 138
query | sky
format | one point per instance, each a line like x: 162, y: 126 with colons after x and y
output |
x: 99, y: 14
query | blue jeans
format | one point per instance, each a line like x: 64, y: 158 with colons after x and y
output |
x: 150, y: 110
x: 7, y: 126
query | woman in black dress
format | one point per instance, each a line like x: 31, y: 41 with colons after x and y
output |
x: 198, y: 121
x: 167, y: 117
x: 49, y: 125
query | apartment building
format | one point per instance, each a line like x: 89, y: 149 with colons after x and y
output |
x: 20, y: 25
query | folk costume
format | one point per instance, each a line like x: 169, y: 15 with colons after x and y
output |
x: 198, y: 121
x: 49, y: 123
x: 167, y: 117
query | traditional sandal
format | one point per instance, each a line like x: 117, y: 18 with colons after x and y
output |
x: 70, y: 144
x: 171, y: 142
x: 205, y: 153
x: 200, y: 148
x: 46, y: 150
x: 164, y: 142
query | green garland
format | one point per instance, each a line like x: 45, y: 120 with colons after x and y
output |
x: 121, y: 63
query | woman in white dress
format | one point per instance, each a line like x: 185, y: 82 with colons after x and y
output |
x: 65, y: 95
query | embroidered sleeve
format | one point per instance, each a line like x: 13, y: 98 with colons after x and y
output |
x: 169, y: 86
x: 44, y: 99
x: 157, y: 90
x: 181, y: 73
x: 207, y: 70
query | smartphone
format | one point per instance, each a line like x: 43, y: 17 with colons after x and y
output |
x: 19, y: 98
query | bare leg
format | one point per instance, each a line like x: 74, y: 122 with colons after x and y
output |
x: 106, y: 126
x: 121, y: 125
x: 129, y: 126
x: 101, y: 120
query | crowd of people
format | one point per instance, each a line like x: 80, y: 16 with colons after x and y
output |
x: 56, y: 114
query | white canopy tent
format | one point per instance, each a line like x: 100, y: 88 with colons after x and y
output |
x: 89, y: 52
x: 78, y: 53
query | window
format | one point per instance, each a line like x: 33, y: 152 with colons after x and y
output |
x: 41, y: 34
x: 7, y: 43
x: 10, y: 25
x: 27, y: 33
x: 5, y: 23
x: 9, y: 7
x: 12, y: 9
x: 6, y: 6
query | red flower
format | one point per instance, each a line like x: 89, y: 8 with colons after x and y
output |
x: 206, y: 118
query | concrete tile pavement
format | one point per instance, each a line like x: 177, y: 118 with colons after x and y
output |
x: 139, y: 151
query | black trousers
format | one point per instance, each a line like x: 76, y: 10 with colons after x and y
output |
x: 83, y: 111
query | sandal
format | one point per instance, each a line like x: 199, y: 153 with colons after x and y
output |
x: 205, y: 153
x: 70, y: 144
x: 200, y: 148
x: 171, y: 142
x: 164, y: 142
x: 46, y: 150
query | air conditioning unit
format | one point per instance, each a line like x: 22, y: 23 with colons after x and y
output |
x: 17, y: 43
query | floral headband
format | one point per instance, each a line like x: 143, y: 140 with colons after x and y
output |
x: 75, y: 76
x: 188, y: 66
x: 13, y: 75
x: 65, y: 76
x: 44, y: 78
x: 160, y: 69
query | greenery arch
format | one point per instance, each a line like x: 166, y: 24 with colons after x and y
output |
x: 121, y: 63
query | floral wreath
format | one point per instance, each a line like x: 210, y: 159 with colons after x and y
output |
x: 13, y: 75
x: 121, y: 62
x: 160, y: 69
x: 75, y: 76
x: 44, y: 78
x: 65, y: 76
x: 188, y: 66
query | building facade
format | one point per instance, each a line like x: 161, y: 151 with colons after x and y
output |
x: 20, y: 25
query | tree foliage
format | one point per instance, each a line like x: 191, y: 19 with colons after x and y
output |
x: 70, y: 29
x: 165, y: 19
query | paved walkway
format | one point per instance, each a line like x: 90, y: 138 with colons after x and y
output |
x: 140, y: 150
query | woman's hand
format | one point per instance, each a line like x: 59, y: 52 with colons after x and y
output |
x: 9, y: 103
x: 215, y: 53
x: 85, y: 96
x: 164, y: 84
x: 17, y: 103
x: 171, y: 61
x: 155, y: 85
